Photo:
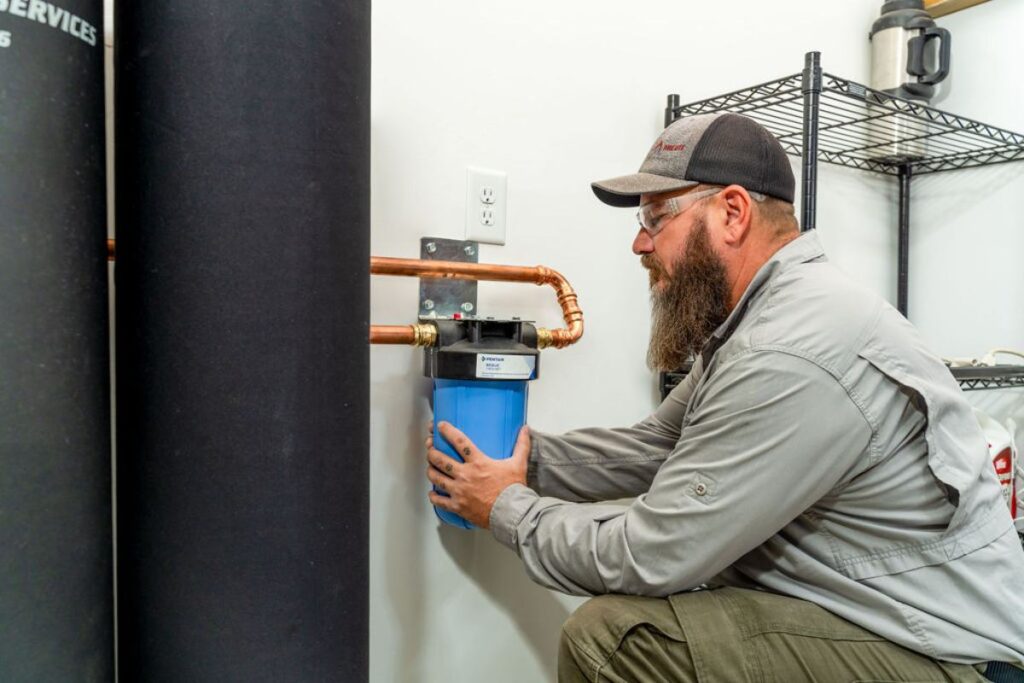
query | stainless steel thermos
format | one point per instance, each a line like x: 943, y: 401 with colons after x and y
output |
x: 909, y: 56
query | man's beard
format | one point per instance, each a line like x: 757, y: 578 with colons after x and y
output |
x: 690, y: 306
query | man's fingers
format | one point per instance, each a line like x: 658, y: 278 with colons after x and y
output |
x: 459, y: 441
x: 443, y: 502
x: 439, y: 480
x: 443, y: 463
x: 429, y: 442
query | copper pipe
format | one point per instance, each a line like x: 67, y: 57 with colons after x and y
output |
x: 391, y: 334
x: 411, y: 335
x: 110, y: 250
x: 538, y: 275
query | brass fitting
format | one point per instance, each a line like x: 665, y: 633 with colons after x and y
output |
x: 424, y: 334
x: 544, y: 338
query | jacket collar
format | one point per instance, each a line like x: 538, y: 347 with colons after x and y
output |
x: 805, y: 248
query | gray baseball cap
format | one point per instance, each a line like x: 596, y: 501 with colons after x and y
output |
x: 714, y: 149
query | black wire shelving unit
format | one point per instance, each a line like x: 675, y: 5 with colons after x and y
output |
x: 818, y: 116
x: 989, y: 377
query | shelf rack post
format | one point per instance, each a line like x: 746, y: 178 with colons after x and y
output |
x: 811, y: 87
x: 670, y: 109
x: 905, y: 173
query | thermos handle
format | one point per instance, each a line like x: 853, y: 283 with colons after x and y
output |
x: 944, y: 55
x: 915, y: 55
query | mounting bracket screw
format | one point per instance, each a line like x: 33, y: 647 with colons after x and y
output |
x: 469, y: 250
x: 467, y: 307
x: 431, y: 248
x: 428, y: 304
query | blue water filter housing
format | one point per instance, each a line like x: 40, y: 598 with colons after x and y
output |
x: 481, y: 371
x: 490, y: 413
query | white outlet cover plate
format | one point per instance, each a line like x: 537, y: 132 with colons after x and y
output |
x: 495, y: 182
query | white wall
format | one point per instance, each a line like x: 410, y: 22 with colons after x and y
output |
x: 561, y: 93
x: 967, y: 282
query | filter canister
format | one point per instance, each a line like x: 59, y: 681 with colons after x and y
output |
x: 481, y: 370
x: 490, y: 413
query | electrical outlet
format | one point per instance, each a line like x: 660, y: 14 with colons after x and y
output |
x: 486, y: 200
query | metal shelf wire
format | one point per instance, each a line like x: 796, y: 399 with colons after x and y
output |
x: 867, y: 129
x: 989, y: 377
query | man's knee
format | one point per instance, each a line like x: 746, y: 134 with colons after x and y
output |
x: 600, y: 630
x: 591, y: 627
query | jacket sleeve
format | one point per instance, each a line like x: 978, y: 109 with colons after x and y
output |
x: 597, y: 464
x: 770, y: 434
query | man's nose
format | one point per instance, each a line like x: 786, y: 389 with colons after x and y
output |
x: 642, y: 243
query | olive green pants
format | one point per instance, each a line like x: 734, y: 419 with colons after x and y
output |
x: 732, y: 635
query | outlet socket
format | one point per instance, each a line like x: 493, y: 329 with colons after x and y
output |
x: 486, y: 205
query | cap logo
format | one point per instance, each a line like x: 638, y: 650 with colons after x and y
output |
x: 661, y: 146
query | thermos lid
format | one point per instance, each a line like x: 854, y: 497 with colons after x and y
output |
x: 894, y: 5
x: 905, y: 14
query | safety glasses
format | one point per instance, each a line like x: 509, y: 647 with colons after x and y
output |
x: 654, y: 216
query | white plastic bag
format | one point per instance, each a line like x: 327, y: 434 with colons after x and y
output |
x: 1003, y: 451
x: 1018, y: 482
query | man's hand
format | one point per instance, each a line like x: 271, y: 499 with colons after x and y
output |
x: 473, y: 486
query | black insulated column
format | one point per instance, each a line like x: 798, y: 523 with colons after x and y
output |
x: 242, y: 326
x: 56, y: 560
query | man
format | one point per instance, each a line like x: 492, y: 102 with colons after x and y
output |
x: 818, y: 472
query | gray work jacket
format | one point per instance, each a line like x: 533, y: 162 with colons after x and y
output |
x: 817, y: 450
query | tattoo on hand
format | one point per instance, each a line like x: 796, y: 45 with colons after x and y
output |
x: 448, y: 468
x: 466, y: 451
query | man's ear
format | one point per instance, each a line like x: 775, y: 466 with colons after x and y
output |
x: 739, y: 212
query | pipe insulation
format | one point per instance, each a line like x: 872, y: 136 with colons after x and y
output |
x: 242, y: 309
x: 56, y: 557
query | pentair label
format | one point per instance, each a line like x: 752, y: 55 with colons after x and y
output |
x: 497, y: 366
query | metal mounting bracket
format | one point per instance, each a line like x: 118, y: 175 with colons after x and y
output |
x: 443, y: 298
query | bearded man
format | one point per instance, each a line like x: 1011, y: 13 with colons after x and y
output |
x: 814, y: 502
